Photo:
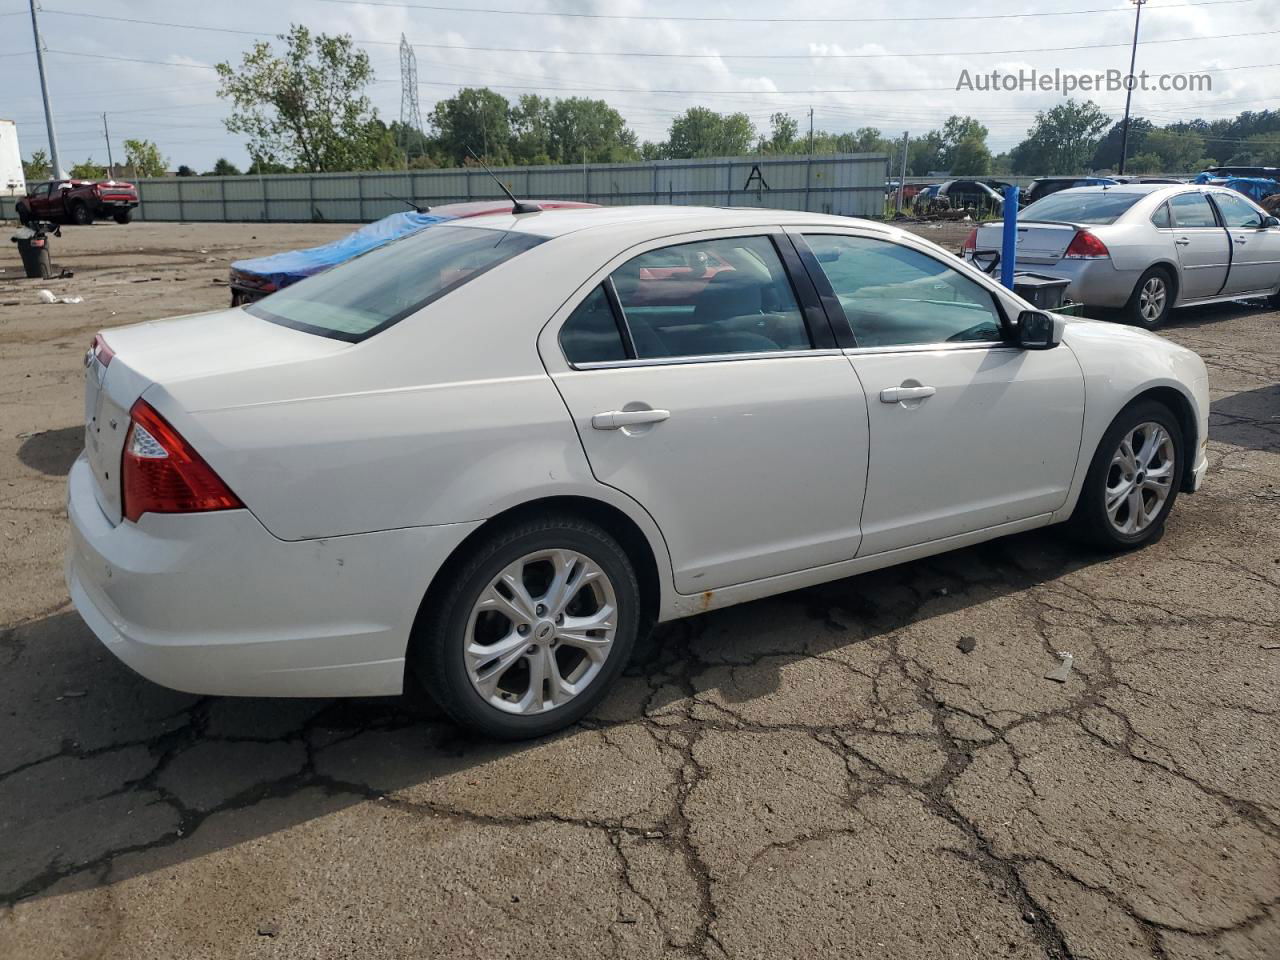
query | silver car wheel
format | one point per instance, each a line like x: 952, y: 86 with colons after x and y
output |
x: 540, y: 633
x: 1152, y: 298
x: 1140, y: 478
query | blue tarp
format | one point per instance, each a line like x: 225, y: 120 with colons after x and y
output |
x: 283, y: 269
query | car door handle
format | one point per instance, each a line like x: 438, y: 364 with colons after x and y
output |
x: 1182, y: 241
x: 1241, y: 240
x: 898, y: 394
x: 617, y: 419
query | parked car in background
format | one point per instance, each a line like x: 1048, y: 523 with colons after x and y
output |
x: 1147, y: 248
x: 495, y: 452
x: 78, y: 201
x: 254, y: 279
x: 981, y: 196
x: 1256, y: 189
x: 1042, y: 187
x: 1218, y: 172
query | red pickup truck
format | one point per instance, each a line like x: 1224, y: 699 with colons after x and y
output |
x: 78, y: 201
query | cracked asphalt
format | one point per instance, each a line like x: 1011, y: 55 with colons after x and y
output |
x: 822, y: 774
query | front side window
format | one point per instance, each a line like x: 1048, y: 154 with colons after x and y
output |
x: 710, y: 297
x: 896, y: 296
x: 364, y: 296
x: 1238, y: 212
x: 1192, y: 210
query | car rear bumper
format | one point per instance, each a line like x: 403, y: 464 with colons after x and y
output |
x: 212, y: 603
x: 1095, y: 283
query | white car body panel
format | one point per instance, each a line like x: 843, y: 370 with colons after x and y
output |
x: 364, y: 466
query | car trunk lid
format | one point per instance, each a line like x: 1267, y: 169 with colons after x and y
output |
x: 169, y: 352
x: 1037, y: 242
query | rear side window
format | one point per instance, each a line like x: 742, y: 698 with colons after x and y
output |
x: 728, y: 295
x: 1161, y: 217
x: 364, y: 296
x: 591, y: 333
x: 1192, y: 210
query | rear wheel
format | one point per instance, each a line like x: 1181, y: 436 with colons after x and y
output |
x: 81, y: 215
x: 530, y: 631
x: 1152, y: 299
x: 122, y: 216
x: 1133, y: 479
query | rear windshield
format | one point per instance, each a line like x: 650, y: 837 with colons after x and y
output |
x: 1098, y: 206
x: 364, y: 296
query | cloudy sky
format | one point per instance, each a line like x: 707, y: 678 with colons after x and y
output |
x: 892, y: 64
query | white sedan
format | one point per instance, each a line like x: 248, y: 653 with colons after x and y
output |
x: 495, y: 452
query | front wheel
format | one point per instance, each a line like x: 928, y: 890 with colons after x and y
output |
x: 1152, y: 299
x: 531, y: 630
x: 1133, y: 479
x: 81, y: 215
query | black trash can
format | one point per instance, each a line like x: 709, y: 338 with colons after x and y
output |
x: 1041, y: 291
x: 33, y: 247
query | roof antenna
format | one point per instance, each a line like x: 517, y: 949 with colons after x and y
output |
x: 408, y: 203
x: 517, y: 206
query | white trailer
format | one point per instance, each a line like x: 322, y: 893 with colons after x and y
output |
x: 12, y: 181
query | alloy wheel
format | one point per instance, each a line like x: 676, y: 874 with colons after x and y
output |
x: 1140, y: 478
x: 540, y: 632
x: 1152, y: 299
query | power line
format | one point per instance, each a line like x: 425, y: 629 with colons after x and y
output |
x: 441, y: 8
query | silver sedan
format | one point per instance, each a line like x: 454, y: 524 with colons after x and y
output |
x: 1147, y: 248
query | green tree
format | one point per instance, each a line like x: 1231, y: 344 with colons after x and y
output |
x: 1178, y: 151
x: 1107, y: 154
x: 700, y: 132
x: 413, y: 143
x: 143, y: 159
x: 37, y: 168
x: 579, y: 128
x: 924, y: 154
x: 1261, y: 149
x: 783, y: 130
x: 88, y: 170
x: 222, y: 167
x: 1062, y: 140
x: 1145, y: 163
x: 305, y: 109
x: 531, y: 130
x: 969, y: 158
x: 185, y: 171
x: 476, y: 118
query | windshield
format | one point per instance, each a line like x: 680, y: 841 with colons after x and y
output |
x: 369, y: 293
x: 1070, y: 206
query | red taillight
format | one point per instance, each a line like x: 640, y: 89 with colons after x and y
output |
x: 99, y: 351
x: 1085, y: 246
x: 161, y: 473
x: 970, y: 242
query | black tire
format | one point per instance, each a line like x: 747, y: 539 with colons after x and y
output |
x: 81, y: 215
x: 439, y: 634
x: 122, y: 216
x: 1134, y: 309
x: 24, y: 215
x: 1090, y: 519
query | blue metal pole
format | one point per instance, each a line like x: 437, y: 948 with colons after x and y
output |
x: 1009, y: 246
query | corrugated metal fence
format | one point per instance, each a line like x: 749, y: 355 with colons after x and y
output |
x: 849, y: 184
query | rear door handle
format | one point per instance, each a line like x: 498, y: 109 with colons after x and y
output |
x: 617, y: 419
x: 898, y: 394
x: 1241, y: 240
x: 1182, y: 241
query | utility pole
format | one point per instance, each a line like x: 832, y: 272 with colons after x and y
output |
x: 111, y: 164
x: 811, y: 131
x: 1128, y: 95
x: 902, y: 177
x: 58, y: 172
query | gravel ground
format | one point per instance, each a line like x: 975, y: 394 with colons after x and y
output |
x: 826, y: 773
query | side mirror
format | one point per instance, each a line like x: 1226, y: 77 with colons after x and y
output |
x: 1269, y: 222
x: 1039, y: 331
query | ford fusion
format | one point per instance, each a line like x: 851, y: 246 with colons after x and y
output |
x: 493, y: 453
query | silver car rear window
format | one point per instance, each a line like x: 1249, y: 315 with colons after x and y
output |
x: 1069, y: 207
x: 362, y: 297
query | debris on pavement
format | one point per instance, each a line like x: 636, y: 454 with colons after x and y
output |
x: 48, y: 296
x: 966, y: 644
x: 268, y: 929
x: 1062, y: 672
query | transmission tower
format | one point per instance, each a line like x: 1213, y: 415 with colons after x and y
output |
x: 410, y: 117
